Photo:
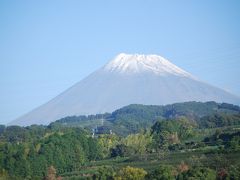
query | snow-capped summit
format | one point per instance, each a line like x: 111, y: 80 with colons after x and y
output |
x: 139, y: 63
x: 127, y: 79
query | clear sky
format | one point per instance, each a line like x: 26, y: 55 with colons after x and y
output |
x: 47, y: 46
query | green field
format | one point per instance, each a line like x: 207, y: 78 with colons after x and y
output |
x: 151, y: 161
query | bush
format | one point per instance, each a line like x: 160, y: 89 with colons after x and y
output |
x: 233, y: 172
x: 163, y: 172
x: 121, y: 150
x: 131, y: 173
x: 198, y: 173
x: 104, y: 173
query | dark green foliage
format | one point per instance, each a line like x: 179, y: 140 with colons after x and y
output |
x: 133, y: 118
x: 105, y: 173
x: 170, y: 132
x: 233, y: 172
x: 15, y: 134
x: 229, y: 107
x: 219, y: 120
x: 65, y: 151
x: 2, y: 128
x: 78, y: 121
x: 163, y: 172
x: 121, y: 150
x: 234, y: 143
x: 198, y: 173
x: 75, y: 119
x: 167, y: 136
x: 190, y: 109
x: 230, y: 140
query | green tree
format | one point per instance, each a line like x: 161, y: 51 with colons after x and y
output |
x: 198, y: 173
x: 2, y: 128
x: 121, y: 150
x: 138, y: 142
x: 163, y: 172
x: 107, y: 142
x: 234, y: 143
x: 233, y: 172
x: 104, y: 173
x: 169, y: 132
x: 131, y: 173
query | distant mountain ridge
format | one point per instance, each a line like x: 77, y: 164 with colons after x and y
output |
x: 127, y: 79
x: 131, y: 118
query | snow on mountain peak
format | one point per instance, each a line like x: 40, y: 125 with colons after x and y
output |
x: 120, y: 83
x: 138, y: 63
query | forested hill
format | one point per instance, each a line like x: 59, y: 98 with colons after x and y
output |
x: 132, y: 118
x: 188, y: 141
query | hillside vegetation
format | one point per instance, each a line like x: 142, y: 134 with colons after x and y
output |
x: 135, y: 117
x: 181, y: 141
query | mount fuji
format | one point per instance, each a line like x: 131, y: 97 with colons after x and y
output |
x: 127, y: 79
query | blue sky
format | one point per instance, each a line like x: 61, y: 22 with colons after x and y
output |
x: 47, y: 46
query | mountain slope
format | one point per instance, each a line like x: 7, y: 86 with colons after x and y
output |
x: 128, y: 79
